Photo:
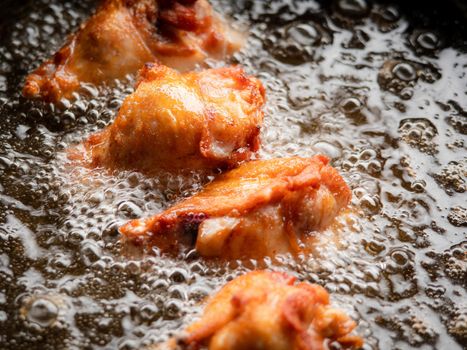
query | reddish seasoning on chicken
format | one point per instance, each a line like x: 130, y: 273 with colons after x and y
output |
x: 269, y: 310
x: 194, y: 120
x: 261, y: 208
x: 123, y: 35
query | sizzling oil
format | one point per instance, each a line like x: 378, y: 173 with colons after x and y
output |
x: 379, y: 88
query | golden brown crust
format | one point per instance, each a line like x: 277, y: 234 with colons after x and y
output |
x: 123, y: 35
x: 269, y: 310
x: 195, y: 120
x: 261, y: 208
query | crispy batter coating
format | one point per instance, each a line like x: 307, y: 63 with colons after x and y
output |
x: 194, y: 120
x: 123, y: 35
x: 261, y: 208
x: 269, y: 310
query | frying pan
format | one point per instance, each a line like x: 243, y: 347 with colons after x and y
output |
x: 448, y: 18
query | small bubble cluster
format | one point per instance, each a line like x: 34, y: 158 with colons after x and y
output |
x: 452, y: 177
x: 401, y: 76
x: 419, y: 133
x: 297, y: 43
x: 412, y: 329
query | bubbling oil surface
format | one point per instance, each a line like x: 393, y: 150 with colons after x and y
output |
x: 379, y: 88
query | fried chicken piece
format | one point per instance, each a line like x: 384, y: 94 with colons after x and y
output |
x: 269, y: 310
x: 123, y: 35
x: 262, y: 208
x: 194, y: 120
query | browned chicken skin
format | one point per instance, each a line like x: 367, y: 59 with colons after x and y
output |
x: 262, y: 208
x: 123, y: 35
x: 194, y: 120
x: 269, y: 310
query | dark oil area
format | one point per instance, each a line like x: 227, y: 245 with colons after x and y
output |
x: 380, y: 88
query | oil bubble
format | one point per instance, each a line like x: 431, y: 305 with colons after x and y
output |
x: 353, y: 8
x: 404, y: 71
x: 428, y: 40
x: 399, y: 75
x: 351, y: 105
x: 390, y: 13
x: 327, y: 148
x: 42, y: 312
x: 303, y: 34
